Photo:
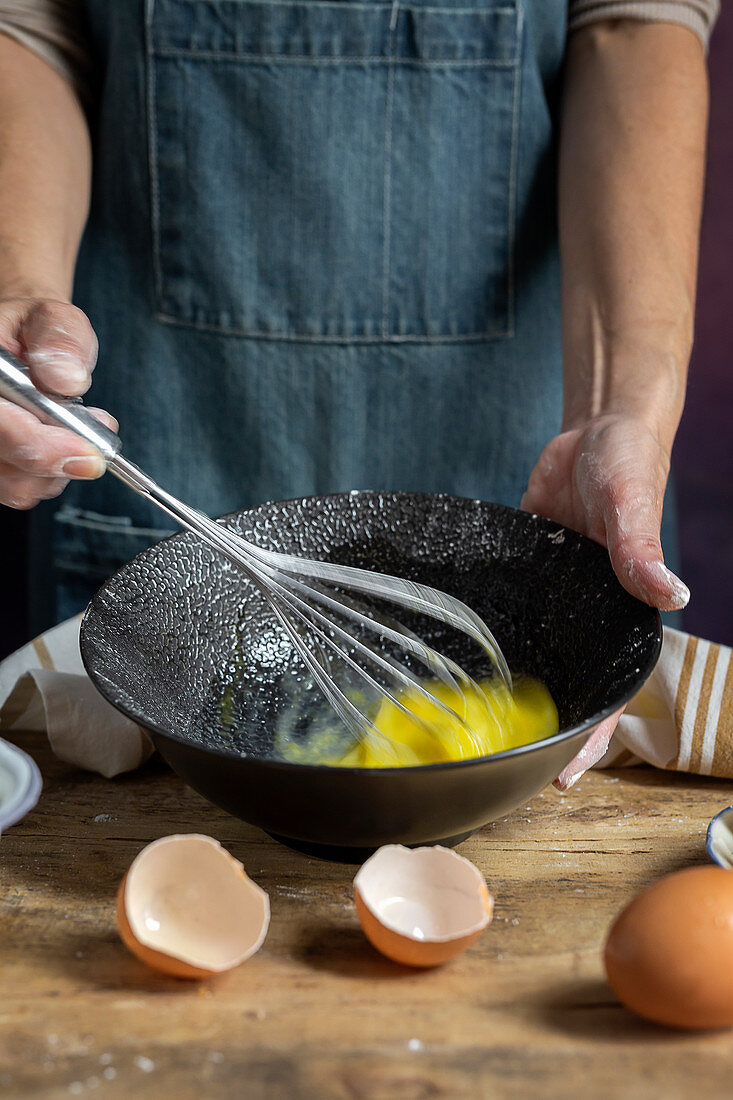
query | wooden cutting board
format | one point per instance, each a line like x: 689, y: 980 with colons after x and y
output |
x: 525, y: 1013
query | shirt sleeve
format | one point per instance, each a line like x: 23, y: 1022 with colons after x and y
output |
x: 56, y: 30
x: 698, y: 15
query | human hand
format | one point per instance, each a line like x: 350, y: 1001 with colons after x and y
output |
x: 58, y: 343
x: 606, y: 478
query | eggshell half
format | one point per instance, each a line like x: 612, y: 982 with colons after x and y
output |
x: 421, y: 906
x: 669, y: 954
x: 187, y: 908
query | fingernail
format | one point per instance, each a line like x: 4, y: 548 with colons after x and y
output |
x: 60, y: 369
x: 680, y: 591
x: 101, y: 414
x: 72, y: 375
x: 679, y: 588
x: 87, y: 466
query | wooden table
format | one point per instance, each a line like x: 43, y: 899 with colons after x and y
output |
x: 317, y: 1013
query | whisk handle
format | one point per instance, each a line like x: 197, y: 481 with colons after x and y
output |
x: 16, y: 385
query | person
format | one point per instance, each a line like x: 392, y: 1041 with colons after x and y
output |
x: 442, y: 247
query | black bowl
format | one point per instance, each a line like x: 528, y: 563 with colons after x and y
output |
x: 180, y: 642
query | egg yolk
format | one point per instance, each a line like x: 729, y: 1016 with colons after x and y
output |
x: 479, y: 721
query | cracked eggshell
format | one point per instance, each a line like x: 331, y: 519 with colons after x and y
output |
x: 187, y: 908
x: 421, y: 906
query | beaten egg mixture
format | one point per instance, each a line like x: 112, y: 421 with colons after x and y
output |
x: 491, y: 719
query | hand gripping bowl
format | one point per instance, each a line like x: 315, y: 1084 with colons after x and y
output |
x: 181, y: 642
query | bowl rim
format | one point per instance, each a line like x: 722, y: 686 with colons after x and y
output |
x: 587, y: 725
x: 27, y: 786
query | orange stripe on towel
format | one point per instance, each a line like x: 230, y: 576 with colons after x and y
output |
x: 703, y: 703
x: 42, y: 653
x: 680, y: 702
x: 723, y: 757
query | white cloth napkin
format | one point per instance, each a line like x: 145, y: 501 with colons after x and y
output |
x: 43, y: 686
x: 682, y: 719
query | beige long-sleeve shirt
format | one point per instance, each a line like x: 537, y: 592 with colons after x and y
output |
x: 55, y: 29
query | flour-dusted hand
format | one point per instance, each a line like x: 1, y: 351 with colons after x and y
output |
x: 606, y: 479
x: 58, y: 343
x: 632, y: 151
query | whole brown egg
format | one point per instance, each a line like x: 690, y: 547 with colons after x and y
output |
x: 669, y: 954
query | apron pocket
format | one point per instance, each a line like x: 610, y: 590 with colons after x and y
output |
x: 334, y: 171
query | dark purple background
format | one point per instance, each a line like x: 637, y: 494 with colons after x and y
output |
x: 703, y: 454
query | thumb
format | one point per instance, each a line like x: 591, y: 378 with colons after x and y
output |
x: 60, y: 346
x: 592, y: 751
x: 632, y: 534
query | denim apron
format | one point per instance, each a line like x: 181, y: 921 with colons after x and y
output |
x: 321, y: 255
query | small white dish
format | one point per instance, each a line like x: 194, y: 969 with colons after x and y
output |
x: 20, y: 784
x: 719, y: 839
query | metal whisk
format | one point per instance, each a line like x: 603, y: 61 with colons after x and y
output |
x: 311, y: 599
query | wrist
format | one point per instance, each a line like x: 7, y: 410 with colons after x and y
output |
x: 26, y: 274
x: 32, y: 289
x: 637, y: 379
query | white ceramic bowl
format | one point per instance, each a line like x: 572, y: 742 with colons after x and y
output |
x: 20, y: 784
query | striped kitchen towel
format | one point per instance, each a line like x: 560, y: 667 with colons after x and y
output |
x: 682, y: 719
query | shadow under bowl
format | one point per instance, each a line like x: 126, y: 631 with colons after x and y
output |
x: 181, y: 642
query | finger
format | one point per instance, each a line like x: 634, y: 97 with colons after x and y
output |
x: 106, y: 418
x: 60, y: 347
x: 633, y: 521
x: 10, y: 317
x: 549, y: 490
x: 22, y: 492
x: 593, y: 750
x: 29, y: 447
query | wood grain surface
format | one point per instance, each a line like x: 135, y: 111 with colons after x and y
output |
x: 525, y: 1013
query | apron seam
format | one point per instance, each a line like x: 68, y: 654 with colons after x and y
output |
x: 151, y: 112
x: 314, y: 59
x: 387, y: 185
x: 514, y: 155
x: 110, y: 527
x: 506, y: 9
x: 484, y: 337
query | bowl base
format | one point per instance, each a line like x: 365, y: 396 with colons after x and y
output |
x: 337, y: 853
